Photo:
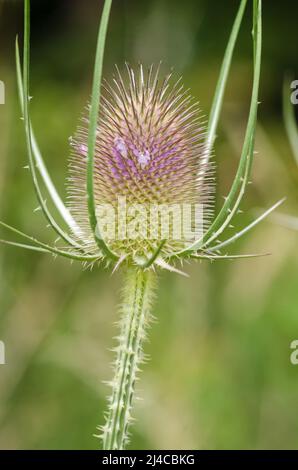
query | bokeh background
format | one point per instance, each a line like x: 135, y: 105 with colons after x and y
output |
x: 220, y: 375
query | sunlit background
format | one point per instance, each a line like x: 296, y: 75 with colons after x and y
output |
x: 220, y: 374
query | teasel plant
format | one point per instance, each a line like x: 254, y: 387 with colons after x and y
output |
x: 143, y: 138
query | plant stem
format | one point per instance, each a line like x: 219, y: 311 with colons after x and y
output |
x: 135, y: 316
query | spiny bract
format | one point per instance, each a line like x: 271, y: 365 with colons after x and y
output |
x: 149, y: 150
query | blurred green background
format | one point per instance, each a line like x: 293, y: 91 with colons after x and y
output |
x: 220, y: 375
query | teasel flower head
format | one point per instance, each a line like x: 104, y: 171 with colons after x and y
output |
x: 149, y: 156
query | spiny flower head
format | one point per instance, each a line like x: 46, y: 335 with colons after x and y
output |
x: 150, y: 153
x: 143, y: 142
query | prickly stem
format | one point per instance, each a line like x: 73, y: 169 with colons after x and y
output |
x: 135, y: 316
